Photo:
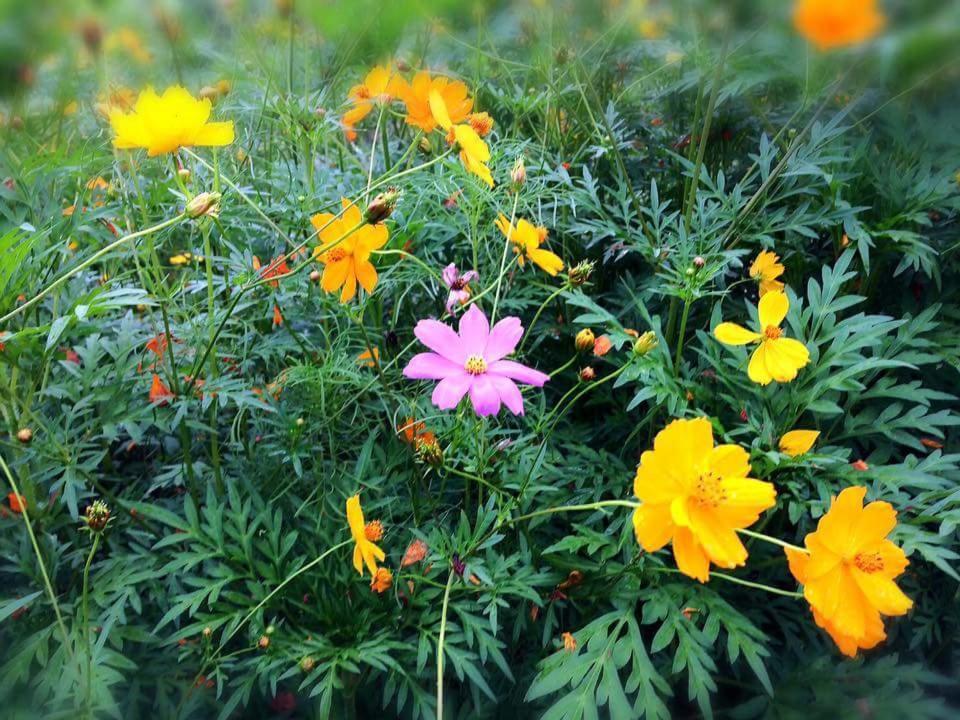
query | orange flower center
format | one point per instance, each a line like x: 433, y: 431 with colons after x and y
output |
x: 868, y: 562
x: 709, y: 491
x: 363, y: 92
x: 772, y: 332
x: 336, y: 255
x: 475, y: 365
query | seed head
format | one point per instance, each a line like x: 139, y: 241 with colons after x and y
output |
x: 206, y: 204
x: 383, y: 205
x: 97, y: 516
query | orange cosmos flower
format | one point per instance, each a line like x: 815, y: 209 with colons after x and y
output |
x: 416, y: 96
x: 527, y: 239
x: 369, y: 358
x: 474, y: 153
x: 831, y: 24
x: 848, y: 571
x: 379, y: 87
x: 345, y: 249
x: 18, y: 503
x: 382, y: 580
x: 697, y: 495
x: 364, y: 552
x: 415, y: 552
x: 159, y: 392
x: 602, y: 345
x: 276, y: 268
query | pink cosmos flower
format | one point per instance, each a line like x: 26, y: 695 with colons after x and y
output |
x: 457, y: 283
x: 472, y: 361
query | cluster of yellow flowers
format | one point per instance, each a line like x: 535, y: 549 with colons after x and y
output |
x: 698, y: 497
x: 431, y: 103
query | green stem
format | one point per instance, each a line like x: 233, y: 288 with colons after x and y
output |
x: 88, y: 262
x: 503, y: 258
x: 86, y: 623
x: 772, y: 540
x: 443, y: 634
x: 36, y: 550
x: 683, y: 330
x: 536, y: 315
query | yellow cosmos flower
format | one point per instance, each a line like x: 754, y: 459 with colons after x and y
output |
x: 416, y: 96
x: 165, y: 123
x: 697, y: 495
x: 526, y: 239
x: 766, y: 269
x: 346, y: 243
x: 474, y: 153
x: 777, y: 358
x: 849, y: 569
x: 798, y: 442
x: 379, y: 87
x: 836, y: 23
x: 364, y: 552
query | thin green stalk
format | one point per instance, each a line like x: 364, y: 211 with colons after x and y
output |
x: 536, y: 315
x: 440, y: 641
x: 683, y: 330
x: 43, y: 568
x: 772, y: 540
x: 86, y: 623
x: 88, y: 262
x: 503, y: 258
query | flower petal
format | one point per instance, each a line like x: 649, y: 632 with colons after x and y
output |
x: 484, y: 396
x: 518, y: 372
x: 449, y: 391
x: 509, y: 393
x: 692, y: 561
x: 430, y: 366
x: 652, y: 526
x: 732, y: 334
x: 772, y: 309
x: 474, y: 330
x: 442, y: 339
x: 503, y: 339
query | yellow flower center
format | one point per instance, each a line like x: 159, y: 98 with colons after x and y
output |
x: 475, y: 365
x: 363, y: 92
x: 709, y: 491
x: 772, y: 332
x: 868, y: 562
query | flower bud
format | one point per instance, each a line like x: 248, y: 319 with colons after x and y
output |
x: 588, y: 374
x: 207, y: 632
x: 425, y: 146
x: 430, y: 452
x: 208, y: 92
x: 270, y: 630
x: 584, y: 340
x: 699, y: 262
x: 518, y: 176
x: 184, y: 174
x: 97, y: 516
x: 581, y: 272
x: 315, y: 276
x: 25, y: 435
x: 383, y: 205
x: 307, y: 664
x: 204, y: 204
x: 263, y: 643
x: 645, y: 343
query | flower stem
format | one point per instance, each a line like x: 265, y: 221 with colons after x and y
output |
x: 503, y: 258
x: 536, y: 315
x: 43, y: 568
x: 739, y: 581
x: 772, y: 540
x: 573, y: 508
x: 683, y: 329
x: 88, y: 262
x: 86, y: 623
x: 443, y: 634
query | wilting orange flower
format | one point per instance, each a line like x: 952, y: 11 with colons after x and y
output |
x: 697, y: 495
x: 373, y: 531
x: 164, y: 123
x: 831, y: 24
x: 798, y: 442
x: 379, y: 87
x: 364, y: 552
x: 345, y: 249
x: 277, y: 316
x: 382, y: 580
x: 569, y: 642
x: 416, y: 97
x: 931, y: 443
x: 158, y: 345
x: 159, y: 392
x: 481, y: 123
x: 848, y: 571
x: 369, y: 358
x: 415, y: 552
x: 410, y: 429
x: 860, y: 465
x: 276, y: 268
x: 18, y: 503
x: 766, y: 268
x: 602, y: 345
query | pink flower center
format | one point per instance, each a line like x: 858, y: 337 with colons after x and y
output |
x: 475, y: 365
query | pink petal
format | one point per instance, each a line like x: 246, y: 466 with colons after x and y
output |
x: 484, y: 396
x: 430, y: 366
x: 518, y: 372
x: 449, y: 391
x: 442, y: 339
x: 503, y: 339
x: 450, y: 275
x: 508, y: 392
x: 474, y: 330
x: 469, y: 276
x: 455, y: 299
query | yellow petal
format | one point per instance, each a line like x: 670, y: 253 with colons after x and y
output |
x: 798, y: 442
x: 729, y: 461
x: 439, y: 109
x: 757, y: 369
x: 652, y: 526
x: 882, y: 593
x: 366, y: 275
x: 215, y: 134
x: 784, y: 357
x: 692, y: 561
x: 732, y: 334
x: 546, y: 261
x: 772, y: 309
